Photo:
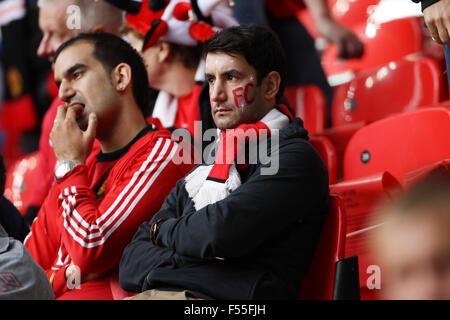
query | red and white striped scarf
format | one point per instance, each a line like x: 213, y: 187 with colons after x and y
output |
x: 208, y: 184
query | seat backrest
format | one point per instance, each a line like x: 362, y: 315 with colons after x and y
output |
x: 319, y: 282
x: 310, y: 105
x: 362, y: 198
x: 441, y: 167
x: 327, y: 152
x: 399, y: 144
x: 375, y: 94
x: 383, y: 43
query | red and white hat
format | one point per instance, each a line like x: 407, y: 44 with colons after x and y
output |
x: 177, y: 21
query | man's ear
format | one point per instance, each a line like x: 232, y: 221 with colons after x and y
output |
x: 164, y: 51
x: 270, y: 85
x: 121, y: 76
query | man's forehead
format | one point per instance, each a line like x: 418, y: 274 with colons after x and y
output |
x: 224, y: 60
x: 79, y: 52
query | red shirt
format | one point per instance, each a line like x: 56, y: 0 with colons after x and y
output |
x: 92, y: 213
x: 188, y: 111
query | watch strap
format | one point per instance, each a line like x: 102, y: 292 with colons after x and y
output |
x: 63, y: 167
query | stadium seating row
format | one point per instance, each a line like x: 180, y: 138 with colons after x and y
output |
x: 390, y: 127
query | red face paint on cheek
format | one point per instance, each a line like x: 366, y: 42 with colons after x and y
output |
x: 238, y: 97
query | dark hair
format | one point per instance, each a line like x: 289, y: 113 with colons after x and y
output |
x: 433, y: 190
x: 258, y: 44
x: 111, y: 50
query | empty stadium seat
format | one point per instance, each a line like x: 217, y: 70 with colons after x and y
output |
x: 383, y: 43
x: 441, y: 167
x: 310, y: 105
x: 349, y: 13
x: 340, y: 136
x: 399, y: 144
x: 19, y: 181
x: 400, y: 86
x: 361, y: 198
x: 325, y: 280
x: 326, y: 150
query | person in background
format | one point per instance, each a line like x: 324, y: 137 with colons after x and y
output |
x: 413, y: 244
x: 95, y: 16
x: 100, y: 197
x: 24, y: 81
x: 10, y: 218
x: 20, y: 276
x: 437, y: 18
x: 172, y: 36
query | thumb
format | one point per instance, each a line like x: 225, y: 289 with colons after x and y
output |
x: 92, y: 127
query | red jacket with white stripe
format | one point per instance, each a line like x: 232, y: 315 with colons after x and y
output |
x: 92, y: 213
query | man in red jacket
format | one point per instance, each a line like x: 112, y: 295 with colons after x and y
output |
x: 100, y: 198
x: 95, y: 16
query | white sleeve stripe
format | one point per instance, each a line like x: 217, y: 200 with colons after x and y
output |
x: 143, y: 191
x: 138, y: 186
x: 141, y: 170
x: 136, y: 175
x: 129, y: 210
x: 125, y: 203
x: 121, y: 208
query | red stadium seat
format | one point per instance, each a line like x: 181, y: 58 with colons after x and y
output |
x: 399, y: 144
x: 383, y: 43
x: 16, y: 116
x: 310, y: 105
x: 19, y: 180
x: 117, y: 292
x: 361, y: 198
x: 376, y: 93
x: 319, y: 282
x: 439, y: 167
x: 340, y: 136
x: 326, y: 150
x: 350, y: 13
